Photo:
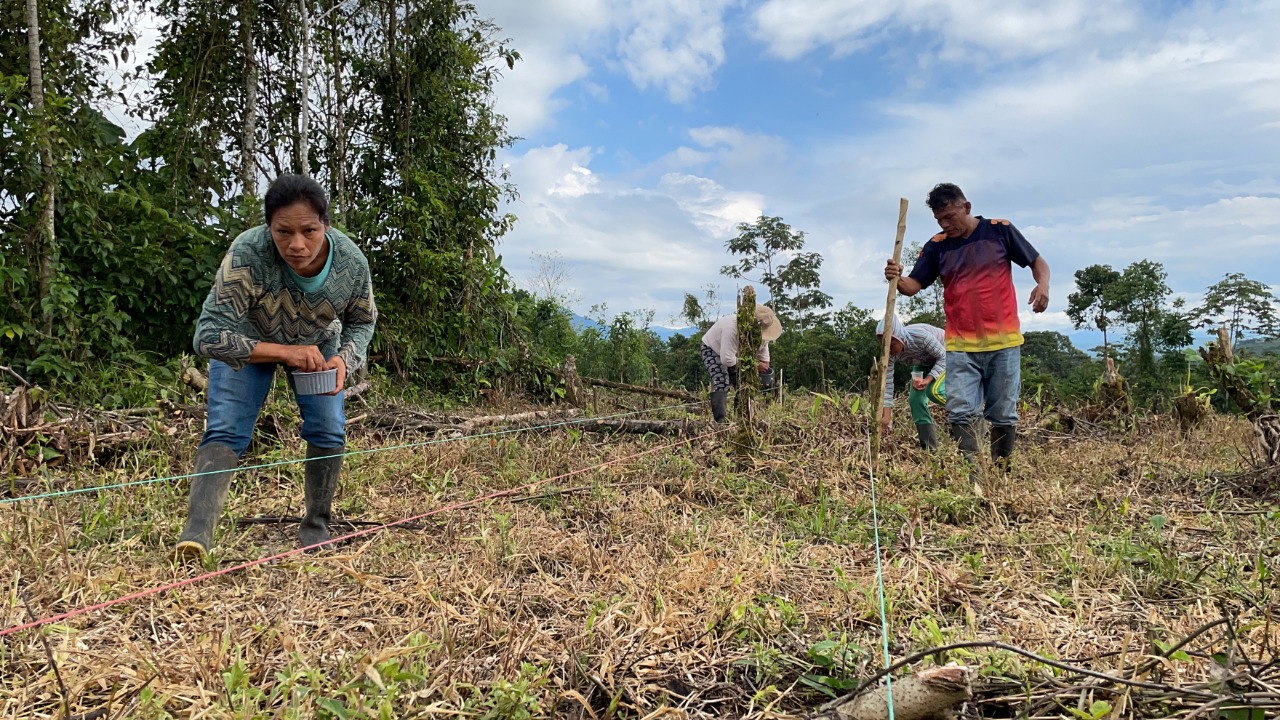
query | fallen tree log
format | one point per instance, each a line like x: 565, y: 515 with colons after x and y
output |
x: 628, y: 425
x: 643, y: 389
x: 925, y: 695
x: 516, y: 419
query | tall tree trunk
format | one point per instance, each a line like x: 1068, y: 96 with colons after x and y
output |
x: 41, y: 237
x: 340, y: 128
x: 303, y: 160
x: 249, y: 131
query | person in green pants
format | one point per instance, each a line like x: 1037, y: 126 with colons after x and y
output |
x: 923, y: 346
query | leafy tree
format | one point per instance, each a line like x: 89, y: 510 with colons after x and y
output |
x: 793, y: 284
x: 837, y: 351
x: 1245, y: 306
x: 701, y: 313
x: 926, y: 306
x: 1153, y: 325
x: 1090, y: 303
x: 1052, y: 352
x: 621, y: 347
x: 1049, y: 359
x: 140, y: 226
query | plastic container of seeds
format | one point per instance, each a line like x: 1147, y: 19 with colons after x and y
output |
x: 315, y: 383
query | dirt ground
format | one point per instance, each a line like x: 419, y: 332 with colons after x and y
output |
x: 692, y: 581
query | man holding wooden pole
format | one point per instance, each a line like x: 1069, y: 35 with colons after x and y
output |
x: 972, y: 257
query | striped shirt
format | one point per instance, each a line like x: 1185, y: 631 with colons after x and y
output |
x: 923, y: 344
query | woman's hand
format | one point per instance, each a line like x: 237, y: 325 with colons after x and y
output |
x: 341, y: 365
x: 306, y: 358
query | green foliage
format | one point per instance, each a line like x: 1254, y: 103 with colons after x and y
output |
x: 1050, y: 362
x: 793, y: 285
x: 621, y: 348
x: 141, y: 225
x: 925, y: 306
x: 1244, y: 306
x: 1091, y: 302
x: 1138, y: 300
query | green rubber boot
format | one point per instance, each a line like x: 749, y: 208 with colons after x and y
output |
x: 321, y: 483
x: 215, y: 465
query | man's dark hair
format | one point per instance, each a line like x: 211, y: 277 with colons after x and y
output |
x: 944, y: 194
x: 289, y: 189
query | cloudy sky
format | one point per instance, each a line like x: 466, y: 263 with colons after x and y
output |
x: 1108, y: 131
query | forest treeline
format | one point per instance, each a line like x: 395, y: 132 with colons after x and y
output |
x: 109, y: 239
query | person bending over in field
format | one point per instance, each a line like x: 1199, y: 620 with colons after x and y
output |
x: 973, y: 255
x: 292, y: 292
x: 720, y: 356
x: 923, y: 346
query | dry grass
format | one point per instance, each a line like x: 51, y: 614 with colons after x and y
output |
x: 685, y: 584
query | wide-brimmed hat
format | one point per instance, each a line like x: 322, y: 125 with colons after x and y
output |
x: 770, y: 328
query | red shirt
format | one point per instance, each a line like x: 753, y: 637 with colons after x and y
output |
x: 977, y: 278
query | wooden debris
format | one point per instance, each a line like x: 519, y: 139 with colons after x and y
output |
x: 573, y: 390
x: 925, y: 695
x: 195, y: 379
x: 1261, y: 411
x: 631, y: 425
x: 643, y: 390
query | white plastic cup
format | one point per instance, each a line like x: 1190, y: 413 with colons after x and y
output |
x: 917, y: 374
x: 315, y: 383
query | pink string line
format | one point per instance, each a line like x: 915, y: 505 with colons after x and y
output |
x: 360, y: 533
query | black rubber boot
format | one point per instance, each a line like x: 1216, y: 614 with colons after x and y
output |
x: 321, y: 483
x: 928, y: 434
x: 215, y: 465
x: 966, y: 436
x: 719, y: 405
x: 1002, y: 441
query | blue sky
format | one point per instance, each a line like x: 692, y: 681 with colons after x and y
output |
x: 1107, y: 131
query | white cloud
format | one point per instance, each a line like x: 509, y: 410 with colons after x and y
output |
x: 629, y: 247
x: 674, y: 45
x: 1155, y: 141
x: 1002, y: 28
x: 551, y: 37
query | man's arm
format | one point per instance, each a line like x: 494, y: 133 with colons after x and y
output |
x: 906, y: 285
x: 1040, y: 295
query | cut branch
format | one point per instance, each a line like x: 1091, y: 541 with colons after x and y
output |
x: 643, y: 389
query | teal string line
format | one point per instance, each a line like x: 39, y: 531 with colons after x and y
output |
x: 278, y: 463
x: 884, y: 612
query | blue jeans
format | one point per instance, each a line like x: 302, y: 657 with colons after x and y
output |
x: 986, y: 383
x: 236, y: 398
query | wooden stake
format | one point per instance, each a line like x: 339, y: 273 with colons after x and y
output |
x: 877, y: 393
x: 749, y: 342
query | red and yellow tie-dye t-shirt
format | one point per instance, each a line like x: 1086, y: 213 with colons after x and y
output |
x: 977, y: 284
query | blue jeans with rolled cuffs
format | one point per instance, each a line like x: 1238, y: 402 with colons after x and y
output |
x: 236, y: 397
x: 984, y: 383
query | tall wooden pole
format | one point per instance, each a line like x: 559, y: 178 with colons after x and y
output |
x: 883, y: 364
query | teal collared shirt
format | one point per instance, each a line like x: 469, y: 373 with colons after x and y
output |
x: 313, y: 284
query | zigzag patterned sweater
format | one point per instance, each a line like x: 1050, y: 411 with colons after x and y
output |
x: 255, y: 299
